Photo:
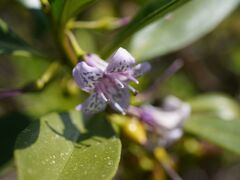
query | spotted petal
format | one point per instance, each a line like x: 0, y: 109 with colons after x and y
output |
x: 141, y: 69
x: 119, y: 99
x: 94, y: 104
x: 120, y: 61
x: 87, y: 76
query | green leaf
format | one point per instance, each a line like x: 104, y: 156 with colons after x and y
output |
x: 218, y: 131
x: 66, y: 146
x: 56, y: 95
x: 48, y: 100
x: 220, y: 105
x: 10, y: 42
x: 180, y: 28
x: 63, y: 10
x: 150, y: 12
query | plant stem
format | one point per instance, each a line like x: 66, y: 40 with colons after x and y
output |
x: 48, y: 75
x: 165, y: 160
x: 77, y: 49
x: 67, y: 48
x: 108, y: 23
x: 69, y: 42
x: 34, y: 86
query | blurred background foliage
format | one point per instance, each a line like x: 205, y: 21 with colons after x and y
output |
x: 209, y: 80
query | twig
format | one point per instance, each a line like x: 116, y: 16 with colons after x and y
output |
x: 77, y: 49
x: 172, y: 69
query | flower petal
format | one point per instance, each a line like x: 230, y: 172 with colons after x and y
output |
x: 86, y: 76
x: 95, y: 61
x: 140, y: 69
x: 119, y: 99
x: 169, y: 137
x: 164, y: 120
x: 120, y: 61
x: 94, y: 104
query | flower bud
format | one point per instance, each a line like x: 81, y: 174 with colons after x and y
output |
x: 134, y: 129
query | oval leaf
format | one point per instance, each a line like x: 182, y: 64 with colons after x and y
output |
x: 220, y: 132
x: 220, y: 105
x: 180, y: 28
x: 150, y: 12
x: 65, y: 146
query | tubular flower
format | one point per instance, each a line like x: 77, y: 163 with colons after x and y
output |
x: 107, y: 82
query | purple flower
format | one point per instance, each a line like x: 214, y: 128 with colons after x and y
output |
x: 167, y: 120
x: 108, y: 81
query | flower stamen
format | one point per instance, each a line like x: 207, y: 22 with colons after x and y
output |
x: 119, y: 108
x: 133, y: 90
x: 133, y: 79
x: 103, y: 96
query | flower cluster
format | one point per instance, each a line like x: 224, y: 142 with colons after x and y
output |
x: 108, y: 81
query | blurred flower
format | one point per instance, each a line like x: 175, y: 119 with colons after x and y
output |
x: 32, y: 4
x: 134, y: 130
x: 108, y: 81
x: 166, y: 121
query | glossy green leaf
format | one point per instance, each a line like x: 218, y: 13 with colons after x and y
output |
x: 66, y: 146
x: 180, y: 28
x: 153, y: 10
x: 9, y: 41
x: 63, y: 10
x: 218, y: 131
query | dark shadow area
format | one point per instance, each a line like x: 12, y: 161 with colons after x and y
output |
x: 10, y: 126
x: 70, y: 132
x: 96, y: 128
x: 28, y: 136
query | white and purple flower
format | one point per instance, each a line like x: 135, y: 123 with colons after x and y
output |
x: 167, y: 121
x: 108, y: 81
